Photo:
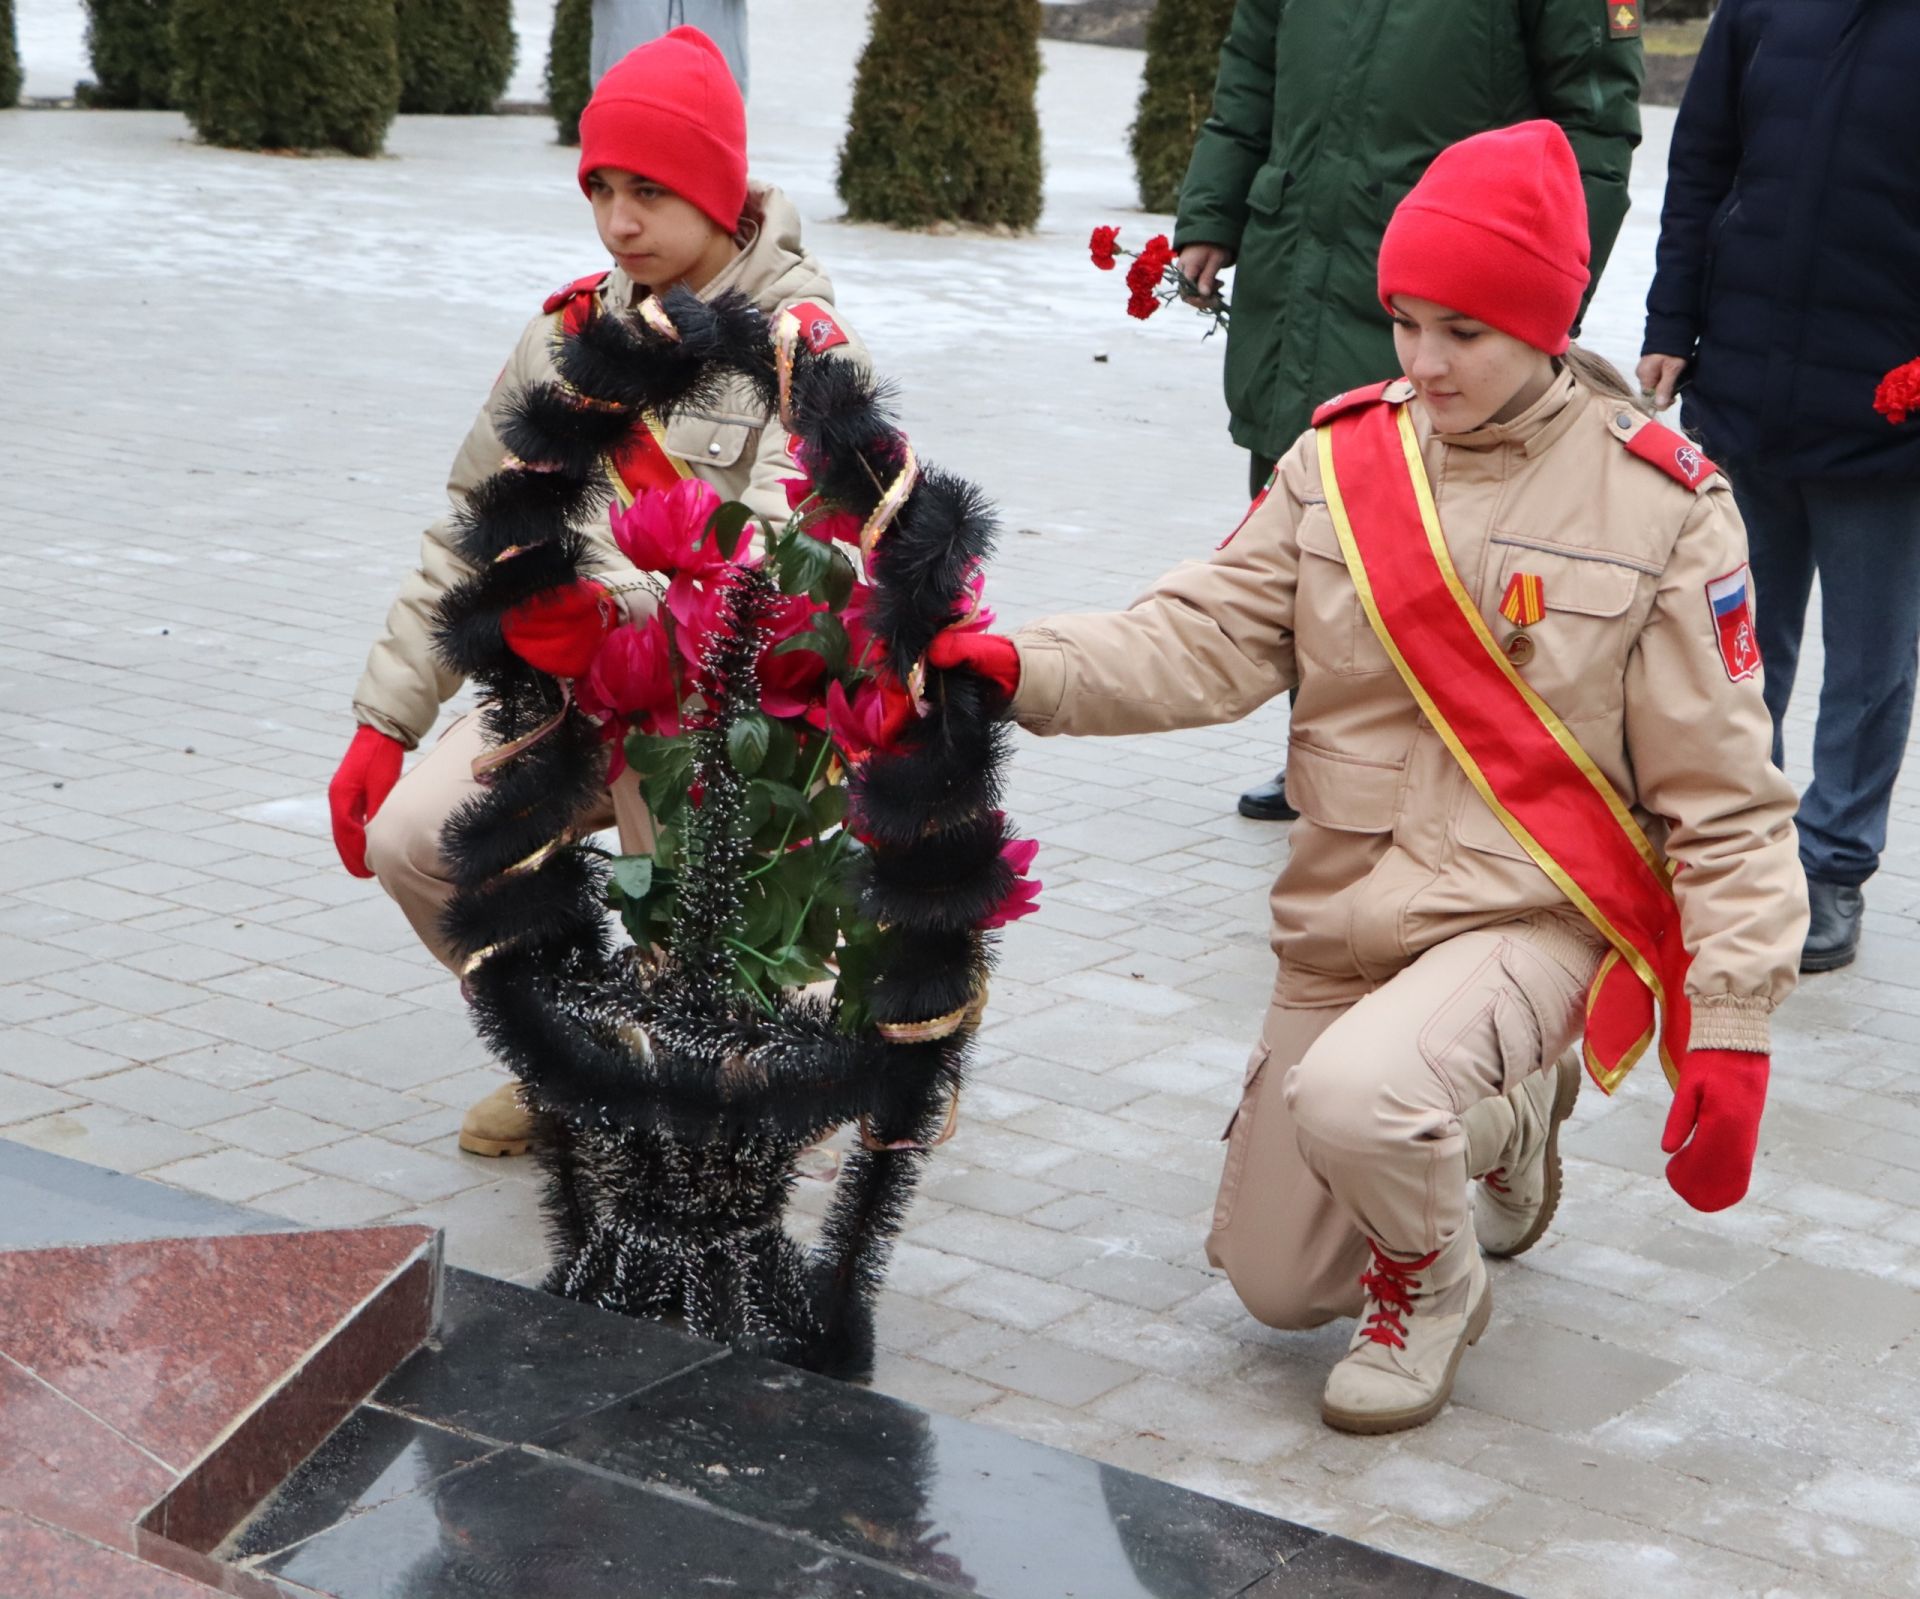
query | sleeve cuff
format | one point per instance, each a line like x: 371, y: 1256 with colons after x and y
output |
x: 1668, y: 337
x: 1043, y: 681
x: 1727, y: 1021
x: 380, y: 722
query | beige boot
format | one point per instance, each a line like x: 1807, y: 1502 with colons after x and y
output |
x: 499, y: 1125
x: 1398, y: 1371
x: 1513, y: 1147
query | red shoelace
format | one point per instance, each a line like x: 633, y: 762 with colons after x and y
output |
x: 1391, y: 1285
x: 1497, y: 1180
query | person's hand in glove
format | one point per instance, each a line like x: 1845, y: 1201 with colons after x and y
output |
x: 365, y: 779
x: 559, y: 632
x: 1716, y: 1115
x: 995, y: 658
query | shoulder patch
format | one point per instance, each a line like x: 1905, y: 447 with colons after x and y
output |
x: 1659, y: 445
x: 1352, y: 400
x: 573, y: 290
x: 1623, y: 18
x: 819, y: 332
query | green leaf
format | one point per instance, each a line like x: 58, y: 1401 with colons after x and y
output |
x: 793, y: 967
x: 728, y: 525
x: 790, y: 801
x: 747, y: 742
x: 633, y: 875
x: 765, y: 916
x: 802, y: 564
x: 666, y: 849
x: 826, y: 638
x: 756, y: 811
x: 829, y: 807
x: 665, y: 794
x: 648, y: 753
x: 782, y: 748
x: 834, y: 586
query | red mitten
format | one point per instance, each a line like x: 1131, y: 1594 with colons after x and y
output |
x: 993, y: 657
x: 366, y: 777
x: 1718, y: 1103
x: 559, y: 632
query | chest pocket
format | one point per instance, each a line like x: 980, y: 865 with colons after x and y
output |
x: 718, y: 440
x: 1594, y: 607
x: 1330, y: 626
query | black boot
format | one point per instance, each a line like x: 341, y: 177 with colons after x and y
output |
x: 1833, y: 935
x: 1268, y: 802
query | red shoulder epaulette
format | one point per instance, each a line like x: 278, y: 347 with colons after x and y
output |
x: 573, y: 291
x: 818, y: 330
x: 1352, y: 400
x: 1659, y: 445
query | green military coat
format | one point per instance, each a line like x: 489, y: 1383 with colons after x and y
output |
x: 1326, y: 112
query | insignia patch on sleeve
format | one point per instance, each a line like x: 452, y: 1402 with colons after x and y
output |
x: 1623, y: 19
x: 818, y: 330
x: 1730, y: 598
x: 1259, y: 500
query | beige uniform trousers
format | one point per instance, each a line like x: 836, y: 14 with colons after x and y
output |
x: 1349, y: 1124
x: 403, y: 839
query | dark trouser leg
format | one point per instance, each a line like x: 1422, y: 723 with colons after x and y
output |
x: 1268, y: 802
x: 1866, y: 547
x: 1780, y: 553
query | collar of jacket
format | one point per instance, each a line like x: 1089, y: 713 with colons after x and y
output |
x: 1532, y: 431
x: 769, y: 240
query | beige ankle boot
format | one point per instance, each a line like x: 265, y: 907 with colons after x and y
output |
x: 1513, y: 1148
x: 1398, y: 1371
x: 499, y: 1125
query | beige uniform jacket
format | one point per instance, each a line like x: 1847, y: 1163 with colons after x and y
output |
x: 730, y: 446
x: 1395, y: 851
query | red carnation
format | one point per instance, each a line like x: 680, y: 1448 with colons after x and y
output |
x: 1898, y: 396
x: 1142, y: 303
x: 1157, y: 254
x: 1102, y: 247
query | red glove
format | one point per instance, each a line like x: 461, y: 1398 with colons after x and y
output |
x: 559, y: 632
x: 993, y: 657
x: 366, y: 777
x: 1718, y: 1102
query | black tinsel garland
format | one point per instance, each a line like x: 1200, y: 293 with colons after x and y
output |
x: 674, y: 1110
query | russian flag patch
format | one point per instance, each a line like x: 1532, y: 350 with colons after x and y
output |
x: 1731, y: 600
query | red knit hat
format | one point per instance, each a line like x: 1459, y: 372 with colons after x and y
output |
x: 671, y: 111
x: 1496, y: 228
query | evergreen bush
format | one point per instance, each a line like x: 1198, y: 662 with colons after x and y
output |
x: 570, y: 66
x: 943, y: 125
x: 288, y: 74
x: 455, y: 55
x: 1183, y: 55
x: 10, y: 77
x: 130, y: 43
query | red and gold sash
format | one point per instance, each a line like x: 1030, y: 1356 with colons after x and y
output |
x: 1515, y: 750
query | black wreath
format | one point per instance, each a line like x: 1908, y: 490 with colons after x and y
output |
x: 673, y: 1111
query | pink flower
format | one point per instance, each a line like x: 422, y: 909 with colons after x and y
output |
x: 975, y: 614
x: 697, y: 604
x: 657, y: 532
x: 872, y: 720
x: 1023, y: 898
x: 632, y: 682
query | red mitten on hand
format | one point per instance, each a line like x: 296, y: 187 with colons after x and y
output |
x: 366, y: 777
x: 559, y: 632
x: 992, y: 656
x: 1718, y: 1102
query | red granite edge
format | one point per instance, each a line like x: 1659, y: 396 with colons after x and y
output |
x: 240, y: 1470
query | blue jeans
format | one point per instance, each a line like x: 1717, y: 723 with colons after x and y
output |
x: 1863, y: 538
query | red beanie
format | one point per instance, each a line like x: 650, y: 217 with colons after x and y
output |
x: 671, y: 111
x: 1496, y: 228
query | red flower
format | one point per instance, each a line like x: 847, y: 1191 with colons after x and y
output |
x: 1142, y: 303
x: 696, y: 607
x: 872, y: 720
x: 1898, y: 396
x: 1157, y: 253
x: 632, y: 679
x: 658, y: 530
x: 788, y: 681
x: 827, y: 526
x: 1102, y: 247
x: 1023, y: 898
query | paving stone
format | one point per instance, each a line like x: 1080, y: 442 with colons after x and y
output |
x: 141, y: 1038
x: 1013, y: 1298
x: 1818, y: 1307
x: 411, y: 1173
x: 330, y: 1202
x: 232, y: 1174
x: 1057, y: 1373
x: 103, y: 1135
x: 35, y: 1055
x: 276, y: 1131
x: 329, y: 1096
x: 22, y: 1101
x: 165, y: 1096
x: 231, y: 1065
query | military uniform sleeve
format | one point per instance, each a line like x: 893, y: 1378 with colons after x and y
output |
x: 1208, y: 643
x: 1700, y: 742
x: 1588, y: 81
x: 1237, y: 138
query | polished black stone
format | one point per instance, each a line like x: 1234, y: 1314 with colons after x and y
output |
x: 507, y: 1362
x: 48, y: 1200
x: 536, y: 1528
x: 372, y: 1457
x: 1338, y: 1568
x: 961, y: 1505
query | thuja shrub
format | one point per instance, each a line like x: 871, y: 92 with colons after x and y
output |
x: 1183, y: 56
x: 288, y: 74
x: 10, y: 78
x: 455, y: 55
x: 943, y: 126
x: 130, y: 43
x: 570, y: 66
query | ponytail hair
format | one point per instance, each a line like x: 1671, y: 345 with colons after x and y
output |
x: 1601, y: 376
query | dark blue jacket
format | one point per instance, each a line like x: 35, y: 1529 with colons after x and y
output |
x: 1789, y: 262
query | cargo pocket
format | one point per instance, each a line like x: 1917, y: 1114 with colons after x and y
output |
x: 1486, y: 1033
x: 1238, y: 1136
